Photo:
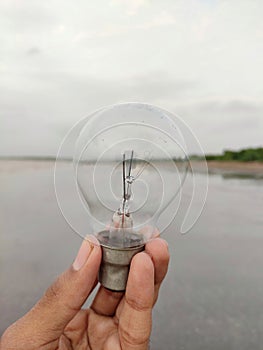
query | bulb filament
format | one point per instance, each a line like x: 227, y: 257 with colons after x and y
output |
x: 127, y: 180
x: 122, y: 218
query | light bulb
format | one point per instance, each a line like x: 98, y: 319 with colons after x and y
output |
x: 130, y: 162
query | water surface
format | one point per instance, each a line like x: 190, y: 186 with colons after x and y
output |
x: 212, y: 297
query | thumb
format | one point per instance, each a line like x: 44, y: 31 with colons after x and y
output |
x: 63, y: 299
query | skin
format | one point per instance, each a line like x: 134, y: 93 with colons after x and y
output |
x: 114, y: 321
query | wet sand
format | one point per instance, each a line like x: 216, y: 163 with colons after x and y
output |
x: 212, y: 297
x: 236, y: 168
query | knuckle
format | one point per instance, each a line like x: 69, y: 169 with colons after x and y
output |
x: 133, y: 337
x: 137, y: 304
x: 52, y: 292
x: 55, y: 291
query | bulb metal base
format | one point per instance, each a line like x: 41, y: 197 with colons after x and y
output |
x: 115, y: 264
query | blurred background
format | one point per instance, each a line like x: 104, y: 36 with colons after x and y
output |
x: 199, y: 59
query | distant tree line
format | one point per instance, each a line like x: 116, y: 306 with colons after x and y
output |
x: 244, y: 155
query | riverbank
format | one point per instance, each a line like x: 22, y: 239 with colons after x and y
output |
x: 225, y: 168
x: 254, y: 169
x: 230, y: 168
x: 14, y: 165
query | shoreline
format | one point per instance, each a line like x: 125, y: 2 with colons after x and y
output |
x: 231, y: 168
x: 225, y: 168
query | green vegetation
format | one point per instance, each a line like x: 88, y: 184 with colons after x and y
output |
x: 244, y: 155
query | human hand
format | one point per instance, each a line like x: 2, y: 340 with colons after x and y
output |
x: 114, y: 321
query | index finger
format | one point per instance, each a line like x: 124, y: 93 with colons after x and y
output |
x: 158, y: 251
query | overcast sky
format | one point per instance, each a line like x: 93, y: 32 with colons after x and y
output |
x: 60, y: 60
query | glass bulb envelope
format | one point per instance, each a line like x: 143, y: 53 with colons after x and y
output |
x: 130, y: 161
x: 129, y: 164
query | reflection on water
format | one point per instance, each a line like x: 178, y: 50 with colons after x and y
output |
x: 212, y: 296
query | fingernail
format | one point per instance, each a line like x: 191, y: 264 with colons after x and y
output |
x: 166, y: 244
x: 92, y: 239
x: 83, y: 254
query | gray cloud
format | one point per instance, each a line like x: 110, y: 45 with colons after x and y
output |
x: 27, y: 15
x: 231, y: 123
x: 159, y: 85
x: 228, y: 106
x: 59, y: 61
x: 34, y: 50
